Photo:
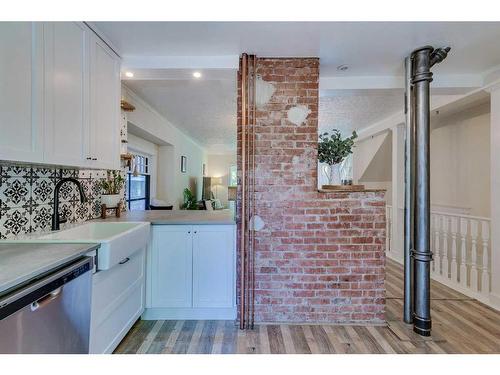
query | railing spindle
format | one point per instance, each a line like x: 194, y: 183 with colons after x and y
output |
x: 445, y: 223
x: 485, y: 271
x: 437, y: 244
x: 474, y: 281
x: 454, y: 266
x: 463, y: 252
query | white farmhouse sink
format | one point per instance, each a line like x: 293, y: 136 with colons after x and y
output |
x: 117, y: 240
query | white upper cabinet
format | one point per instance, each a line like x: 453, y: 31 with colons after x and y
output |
x: 59, y: 96
x: 66, y: 93
x: 21, y: 91
x: 105, y: 105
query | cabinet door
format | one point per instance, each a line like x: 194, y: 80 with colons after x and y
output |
x: 21, y: 90
x: 105, y: 105
x: 66, y: 93
x: 171, y: 266
x: 213, y: 266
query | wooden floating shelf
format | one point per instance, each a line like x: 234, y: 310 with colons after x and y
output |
x: 343, y: 187
x: 126, y: 106
x: 126, y: 156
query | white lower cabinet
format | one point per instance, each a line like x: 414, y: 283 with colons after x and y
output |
x: 118, y: 299
x: 191, y: 272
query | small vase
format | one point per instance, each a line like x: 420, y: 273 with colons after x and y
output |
x: 334, y: 174
x: 110, y: 200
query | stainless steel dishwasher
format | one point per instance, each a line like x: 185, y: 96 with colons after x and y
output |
x: 49, y: 315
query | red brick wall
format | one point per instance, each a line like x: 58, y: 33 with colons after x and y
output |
x: 320, y: 257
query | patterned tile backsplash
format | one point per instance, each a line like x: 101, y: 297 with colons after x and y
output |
x: 27, y: 193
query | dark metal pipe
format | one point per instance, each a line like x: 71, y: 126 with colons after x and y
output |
x: 409, y: 194
x: 422, y: 60
x: 421, y: 253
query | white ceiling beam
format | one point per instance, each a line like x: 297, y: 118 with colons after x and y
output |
x: 441, y: 81
x: 181, y: 62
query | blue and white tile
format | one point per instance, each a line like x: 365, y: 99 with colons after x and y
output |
x: 81, y: 211
x: 67, y: 173
x: 43, y: 172
x: 41, y: 218
x: 42, y: 191
x: 95, y: 209
x: 96, y: 189
x: 15, y: 191
x: 16, y: 171
x: 67, y: 211
x: 14, y: 222
x: 68, y: 192
x: 84, y: 173
x: 87, y: 187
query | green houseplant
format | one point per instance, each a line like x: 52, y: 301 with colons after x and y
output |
x: 112, y: 186
x: 190, y: 202
x: 332, y: 150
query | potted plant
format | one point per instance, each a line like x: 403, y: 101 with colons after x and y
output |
x: 112, y: 187
x: 190, y: 202
x: 332, y: 150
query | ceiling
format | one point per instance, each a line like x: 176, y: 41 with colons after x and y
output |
x: 369, y: 48
x: 355, y: 110
x: 203, y: 109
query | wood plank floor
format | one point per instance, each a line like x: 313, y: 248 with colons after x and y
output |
x: 460, y: 325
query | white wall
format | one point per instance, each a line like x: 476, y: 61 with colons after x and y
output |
x: 379, y: 175
x: 218, y: 166
x: 172, y: 144
x: 460, y: 163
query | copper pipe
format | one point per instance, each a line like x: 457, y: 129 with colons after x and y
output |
x: 247, y: 218
x: 254, y: 123
x: 243, y: 189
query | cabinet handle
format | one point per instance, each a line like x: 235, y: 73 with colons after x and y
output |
x: 195, y: 232
x: 89, y: 158
x: 189, y: 232
x: 94, y: 158
x: 124, y: 260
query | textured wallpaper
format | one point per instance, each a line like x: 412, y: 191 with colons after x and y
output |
x: 27, y: 193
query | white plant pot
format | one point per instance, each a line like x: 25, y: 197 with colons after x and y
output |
x: 110, y: 200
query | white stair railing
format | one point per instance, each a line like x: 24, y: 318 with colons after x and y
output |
x: 461, y: 247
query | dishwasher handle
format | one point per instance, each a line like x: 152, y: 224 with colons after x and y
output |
x: 43, y: 291
x: 44, y: 301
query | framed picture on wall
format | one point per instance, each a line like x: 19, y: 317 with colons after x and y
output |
x: 183, y: 164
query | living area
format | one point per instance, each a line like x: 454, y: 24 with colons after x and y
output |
x: 179, y: 137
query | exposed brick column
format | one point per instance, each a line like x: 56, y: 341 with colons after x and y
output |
x: 320, y: 257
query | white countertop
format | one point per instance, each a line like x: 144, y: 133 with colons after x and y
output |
x: 22, y: 262
x: 177, y: 217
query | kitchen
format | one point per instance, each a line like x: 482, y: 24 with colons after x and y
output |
x: 164, y: 189
x: 62, y: 267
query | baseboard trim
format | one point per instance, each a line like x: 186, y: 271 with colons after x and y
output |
x: 189, y: 314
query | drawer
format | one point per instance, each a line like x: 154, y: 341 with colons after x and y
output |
x: 106, y: 336
x: 117, y: 301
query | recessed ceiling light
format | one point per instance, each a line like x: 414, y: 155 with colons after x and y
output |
x: 197, y: 75
x: 342, y: 67
x: 129, y: 74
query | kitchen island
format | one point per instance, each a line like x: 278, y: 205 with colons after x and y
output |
x: 191, y: 264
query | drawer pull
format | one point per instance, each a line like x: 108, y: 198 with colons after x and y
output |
x: 124, y: 260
